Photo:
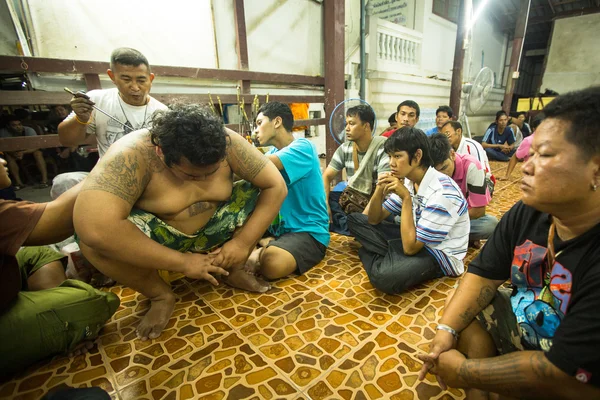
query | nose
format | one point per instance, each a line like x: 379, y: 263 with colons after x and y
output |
x: 135, y: 87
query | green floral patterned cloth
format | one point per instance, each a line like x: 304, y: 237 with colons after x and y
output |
x: 219, y: 229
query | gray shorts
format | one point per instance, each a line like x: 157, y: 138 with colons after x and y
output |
x: 499, y: 320
x: 306, y: 250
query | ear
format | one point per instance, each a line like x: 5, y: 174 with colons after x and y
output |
x: 111, y: 74
x: 159, y: 152
x: 416, y: 161
x: 277, y: 122
x: 151, y: 77
x: 397, y: 116
x: 417, y: 120
x: 452, y: 155
x: 459, y: 131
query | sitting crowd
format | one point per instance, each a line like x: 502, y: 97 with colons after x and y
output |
x: 188, y: 197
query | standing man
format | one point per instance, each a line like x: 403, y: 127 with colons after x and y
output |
x: 15, y: 128
x: 499, y: 141
x: 432, y: 238
x: 363, y: 158
x: 130, y: 102
x: 469, y: 175
x: 442, y: 115
x: 300, y: 235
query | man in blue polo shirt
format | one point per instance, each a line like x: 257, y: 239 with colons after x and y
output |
x: 499, y: 140
x: 300, y: 234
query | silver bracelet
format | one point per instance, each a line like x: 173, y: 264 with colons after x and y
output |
x: 449, y: 329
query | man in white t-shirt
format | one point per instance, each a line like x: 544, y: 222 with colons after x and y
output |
x: 130, y: 103
x: 462, y: 145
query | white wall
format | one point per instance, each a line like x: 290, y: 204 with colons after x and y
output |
x: 574, y: 57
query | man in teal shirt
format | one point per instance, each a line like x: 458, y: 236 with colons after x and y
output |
x: 300, y: 235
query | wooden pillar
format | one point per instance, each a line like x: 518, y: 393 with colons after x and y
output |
x: 459, y: 57
x: 333, y: 20
x: 242, y: 50
x: 515, y: 58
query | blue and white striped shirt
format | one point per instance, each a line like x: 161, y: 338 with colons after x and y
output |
x: 441, y: 217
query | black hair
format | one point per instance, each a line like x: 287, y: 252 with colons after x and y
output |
x: 191, y: 131
x: 500, y: 113
x: 439, y: 148
x: 12, y: 117
x: 537, y: 120
x: 392, y: 118
x: 454, y: 124
x: 445, y: 109
x: 410, y: 140
x: 274, y: 109
x: 581, y: 109
x: 365, y: 114
x: 21, y: 113
x: 411, y: 104
x: 128, y: 56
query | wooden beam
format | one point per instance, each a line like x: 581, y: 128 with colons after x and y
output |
x: 92, y: 81
x: 333, y: 19
x: 515, y: 57
x: 242, y: 51
x: 563, y: 14
x: 24, y: 98
x: 76, y: 67
x: 459, y: 57
x: 551, y: 6
x: 48, y: 141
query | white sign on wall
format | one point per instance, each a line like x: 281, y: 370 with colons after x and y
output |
x: 401, y: 12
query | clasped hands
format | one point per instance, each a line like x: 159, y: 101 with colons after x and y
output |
x: 443, y: 361
x: 203, y: 266
x: 391, y: 184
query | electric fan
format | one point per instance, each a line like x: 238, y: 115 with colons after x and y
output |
x: 337, y: 120
x: 477, y: 95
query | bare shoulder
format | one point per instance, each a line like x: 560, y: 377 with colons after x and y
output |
x: 126, y: 168
x: 244, y: 159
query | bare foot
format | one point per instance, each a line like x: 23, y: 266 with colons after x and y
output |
x: 265, y: 241
x: 476, y: 244
x: 253, y: 263
x: 81, y: 348
x: 242, y: 279
x: 156, y: 318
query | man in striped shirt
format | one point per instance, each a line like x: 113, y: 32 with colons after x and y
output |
x: 462, y: 145
x: 434, y: 231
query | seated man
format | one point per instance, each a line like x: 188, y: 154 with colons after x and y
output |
x: 538, y: 339
x: 469, y: 175
x: 442, y: 115
x: 41, y: 313
x: 462, y: 145
x: 15, y: 128
x: 158, y: 197
x: 408, y: 113
x: 432, y: 238
x: 363, y: 158
x: 393, y: 126
x: 499, y: 140
x: 522, y: 153
x: 301, y: 231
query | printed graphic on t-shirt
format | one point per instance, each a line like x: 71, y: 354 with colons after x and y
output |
x: 539, y: 302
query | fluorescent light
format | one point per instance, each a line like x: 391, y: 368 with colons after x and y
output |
x: 476, y: 15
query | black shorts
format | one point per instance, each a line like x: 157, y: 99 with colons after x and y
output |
x: 306, y: 250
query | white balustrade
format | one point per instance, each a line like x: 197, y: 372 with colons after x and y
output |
x: 393, y: 46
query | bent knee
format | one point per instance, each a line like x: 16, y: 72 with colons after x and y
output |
x: 276, y: 263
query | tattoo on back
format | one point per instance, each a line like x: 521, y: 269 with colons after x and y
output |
x: 248, y: 164
x: 119, y: 176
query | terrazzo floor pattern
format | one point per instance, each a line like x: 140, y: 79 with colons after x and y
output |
x: 325, y: 335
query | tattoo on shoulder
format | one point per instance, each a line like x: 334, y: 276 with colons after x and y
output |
x: 248, y: 163
x: 119, y: 176
x: 148, y: 152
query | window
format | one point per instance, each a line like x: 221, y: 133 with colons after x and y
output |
x: 447, y: 9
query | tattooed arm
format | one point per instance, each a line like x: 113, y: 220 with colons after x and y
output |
x: 106, y: 200
x: 250, y: 164
x: 523, y: 374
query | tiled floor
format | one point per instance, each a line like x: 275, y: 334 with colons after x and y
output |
x: 327, y: 334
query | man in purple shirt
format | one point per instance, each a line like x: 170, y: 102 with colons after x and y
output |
x: 468, y: 173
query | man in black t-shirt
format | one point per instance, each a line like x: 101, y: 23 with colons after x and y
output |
x: 547, y: 246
